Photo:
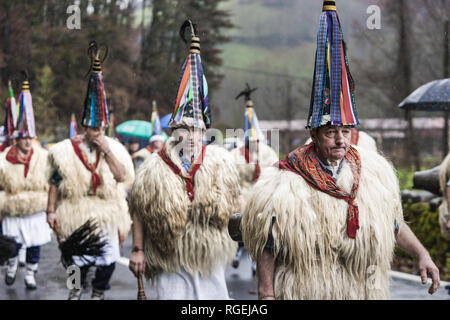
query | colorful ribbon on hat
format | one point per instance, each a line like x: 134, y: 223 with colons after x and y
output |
x: 96, y: 113
x: 333, y: 85
x: 72, y: 127
x: 25, y: 115
x: 192, y: 90
x: 11, y: 114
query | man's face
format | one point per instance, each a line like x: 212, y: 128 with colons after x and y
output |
x: 332, y: 142
x: 24, y: 144
x: 93, y: 133
x: 157, y: 145
x: 134, y: 146
x: 191, y: 138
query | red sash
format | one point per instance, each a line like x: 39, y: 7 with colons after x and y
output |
x: 245, y: 152
x: 96, y: 181
x: 14, y: 157
x: 304, y: 162
x: 189, y: 177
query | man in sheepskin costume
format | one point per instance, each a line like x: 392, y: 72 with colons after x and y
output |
x: 89, y: 177
x: 251, y: 158
x: 324, y: 222
x: 22, y: 176
x: 8, y: 134
x: 156, y: 140
x: 182, y: 199
x: 444, y: 180
x: 255, y: 154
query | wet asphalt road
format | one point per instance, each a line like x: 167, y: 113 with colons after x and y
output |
x: 51, y: 281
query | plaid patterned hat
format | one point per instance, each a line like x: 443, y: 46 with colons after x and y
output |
x: 332, y: 97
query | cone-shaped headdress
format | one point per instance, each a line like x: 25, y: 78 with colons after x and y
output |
x: 72, y: 127
x: 332, y: 98
x: 251, y: 125
x: 10, y: 114
x: 95, y: 113
x: 191, y: 106
x: 25, y: 113
x: 157, y: 134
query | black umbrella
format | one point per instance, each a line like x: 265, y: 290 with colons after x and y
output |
x: 432, y: 96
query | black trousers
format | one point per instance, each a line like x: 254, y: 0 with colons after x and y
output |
x: 102, y: 277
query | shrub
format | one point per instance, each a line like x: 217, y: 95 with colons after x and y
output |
x: 424, y: 223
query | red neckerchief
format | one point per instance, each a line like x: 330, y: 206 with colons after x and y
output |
x: 96, y: 181
x: 245, y: 152
x: 355, y: 137
x: 304, y: 162
x: 150, y: 148
x: 14, y: 157
x: 189, y: 177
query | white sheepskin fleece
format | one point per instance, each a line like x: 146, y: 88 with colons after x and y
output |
x: 24, y: 196
x: 267, y: 157
x: 444, y: 215
x: 315, y: 258
x: 76, y: 203
x: 143, y: 154
x: 178, y: 232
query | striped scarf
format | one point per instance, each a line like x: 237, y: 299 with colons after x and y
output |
x: 305, y: 162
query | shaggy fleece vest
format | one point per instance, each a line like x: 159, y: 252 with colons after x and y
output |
x: 142, y: 154
x: 444, y: 216
x: 267, y: 157
x: 178, y: 232
x: 76, y: 203
x: 315, y: 258
x: 24, y: 196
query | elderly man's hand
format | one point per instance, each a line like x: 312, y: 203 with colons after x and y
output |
x: 428, y: 268
x: 137, y: 263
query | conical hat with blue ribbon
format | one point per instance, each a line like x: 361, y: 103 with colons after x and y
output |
x: 252, y: 131
x: 95, y: 113
x: 10, y: 114
x: 191, y: 105
x: 157, y: 133
x: 25, y: 114
x: 332, y: 97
